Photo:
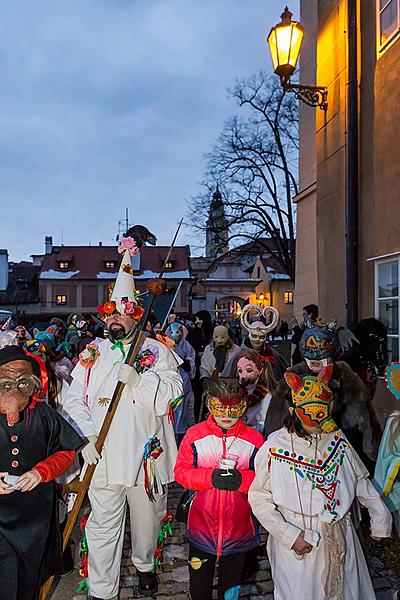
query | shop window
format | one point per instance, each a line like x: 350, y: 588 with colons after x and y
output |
x: 387, y: 302
x: 289, y: 297
x: 61, y: 299
x: 388, y: 21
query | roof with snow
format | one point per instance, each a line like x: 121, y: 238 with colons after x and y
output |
x: 102, y: 262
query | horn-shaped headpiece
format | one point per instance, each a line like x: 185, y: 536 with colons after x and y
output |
x: 270, y: 313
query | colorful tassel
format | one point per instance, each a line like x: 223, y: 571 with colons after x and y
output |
x: 173, y: 406
x: 152, y: 482
x: 84, y: 554
x: 164, y: 532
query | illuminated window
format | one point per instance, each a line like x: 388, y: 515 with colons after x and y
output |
x: 388, y: 20
x: 110, y: 264
x: 61, y: 299
x: 64, y: 264
x: 289, y: 297
x: 169, y: 264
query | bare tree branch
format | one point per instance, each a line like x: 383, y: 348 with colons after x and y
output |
x: 254, y: 161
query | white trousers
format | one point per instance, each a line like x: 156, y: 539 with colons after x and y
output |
x: 105, y: 531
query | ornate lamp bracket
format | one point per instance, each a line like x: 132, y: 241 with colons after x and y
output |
x: 312, y: 95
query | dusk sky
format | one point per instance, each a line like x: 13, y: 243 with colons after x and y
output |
x: 109, y: 104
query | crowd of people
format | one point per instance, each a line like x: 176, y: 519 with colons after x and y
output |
x: 215, y: 407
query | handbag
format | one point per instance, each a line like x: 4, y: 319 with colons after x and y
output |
x: 184, y: 504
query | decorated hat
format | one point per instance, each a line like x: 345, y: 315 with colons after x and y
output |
x: 312, y: 398
x: 124, y: 298
x: 393, y: 379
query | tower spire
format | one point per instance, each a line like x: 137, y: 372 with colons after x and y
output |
x: 217, y: 229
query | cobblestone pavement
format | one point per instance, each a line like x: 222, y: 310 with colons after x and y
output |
x: 174, y: 577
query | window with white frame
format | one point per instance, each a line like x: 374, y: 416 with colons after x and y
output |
x: 388, y: 21
x: 387, y: 301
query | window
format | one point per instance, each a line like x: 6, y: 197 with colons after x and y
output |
x: 61, y: 299
x: 110, y: 264
x: 64, y: 264
x: 169, y: 264
x: 388, y: 12
x: 289, y: 297
x: 387, y: 302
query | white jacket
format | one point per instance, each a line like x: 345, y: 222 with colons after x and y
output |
x: 142, y: 412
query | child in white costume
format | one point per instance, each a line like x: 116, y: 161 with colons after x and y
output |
x: 307, y: 476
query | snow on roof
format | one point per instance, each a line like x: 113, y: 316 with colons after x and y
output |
x: 106, y: 275
x: 167, y: 275
x: 52, y: 274
x: 232, y: 279
x: 279, y: 276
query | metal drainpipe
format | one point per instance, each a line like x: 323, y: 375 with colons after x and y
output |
x: 352, y: 174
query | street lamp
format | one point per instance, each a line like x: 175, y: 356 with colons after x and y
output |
x: 285, y: 41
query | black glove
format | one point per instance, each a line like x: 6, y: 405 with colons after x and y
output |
x: 226, y: 479
x: 186, y: 366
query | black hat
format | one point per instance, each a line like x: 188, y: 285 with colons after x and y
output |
x: 11, y: 353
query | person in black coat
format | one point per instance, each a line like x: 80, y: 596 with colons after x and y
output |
x: 199, y: 337
x: 36, y: 446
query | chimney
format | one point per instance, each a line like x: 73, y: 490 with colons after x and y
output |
x: 48, y: 244
x: 3, y: 269
x: 100, y: 243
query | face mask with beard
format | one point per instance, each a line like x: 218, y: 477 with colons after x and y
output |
x: 220, y: 353
x: 117, y: 332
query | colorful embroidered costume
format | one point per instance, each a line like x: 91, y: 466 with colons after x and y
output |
x: 326, y: 474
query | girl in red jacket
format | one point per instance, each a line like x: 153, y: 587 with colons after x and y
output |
x: 216, y: 459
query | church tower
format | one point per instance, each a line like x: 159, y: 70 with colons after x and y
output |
x: 217, y: 231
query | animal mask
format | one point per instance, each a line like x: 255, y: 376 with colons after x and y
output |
x: 318, y: 340
x: 175, y: 332
x: 313, y: 399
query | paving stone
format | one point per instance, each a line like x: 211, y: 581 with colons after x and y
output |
x: 174, y: 573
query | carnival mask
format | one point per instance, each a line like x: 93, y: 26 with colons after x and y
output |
x: 258, y: 330
x: 17, y: 384
x: 247, y: 371
x: 313, y: 399
x: 318, y: 340
x: 258, y: 335
x: 220, y: 336
x: 224, y: 407
x: 392, y: 377
x: 175, y: 332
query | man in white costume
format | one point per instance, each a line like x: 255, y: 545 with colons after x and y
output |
x: 139, y: 453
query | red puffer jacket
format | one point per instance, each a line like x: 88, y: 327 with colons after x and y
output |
x: 219, y: 522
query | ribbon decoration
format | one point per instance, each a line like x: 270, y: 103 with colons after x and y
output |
x: 84, y: 554
x: 173, y: 406
x: 152, y: 482
x: 164, y: 532
x: 119, y: 346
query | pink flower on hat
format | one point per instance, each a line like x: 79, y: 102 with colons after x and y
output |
x: 128, y: 243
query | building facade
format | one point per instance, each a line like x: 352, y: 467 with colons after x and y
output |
x: 77, y: 278
x: 324, y: 148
